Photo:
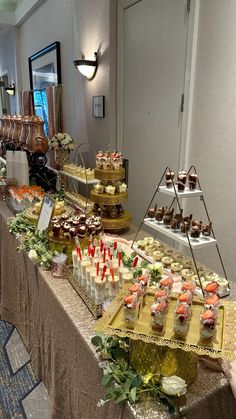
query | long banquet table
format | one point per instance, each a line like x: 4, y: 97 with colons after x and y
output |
x: 57, y: 327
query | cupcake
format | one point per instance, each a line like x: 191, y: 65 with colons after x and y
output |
x: 122, y: 188
x: 110, y: 189
x: 187, y: 274
x: 99, y: 188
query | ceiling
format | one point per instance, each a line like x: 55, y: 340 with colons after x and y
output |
x: 14, y: 12
x: 9, y: 5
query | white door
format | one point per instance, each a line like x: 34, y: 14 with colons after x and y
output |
x: 154, y: 52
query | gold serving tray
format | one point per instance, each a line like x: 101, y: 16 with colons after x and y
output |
x: 119, y: 223
x: 109, y: 174
x: 221, y: 346
x: 107, y: 199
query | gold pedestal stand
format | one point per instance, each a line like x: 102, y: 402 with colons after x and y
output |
x: 111, y: 222
x: 152, y: 360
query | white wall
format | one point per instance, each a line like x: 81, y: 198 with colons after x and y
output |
x: 81, y: 26
x: 213, y: 136
x: 8, y: 63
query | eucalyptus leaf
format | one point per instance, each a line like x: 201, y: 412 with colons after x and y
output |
x: 106, y: 380
x: 96, y: 341
x: 133, y: 394
x: 121, y: 398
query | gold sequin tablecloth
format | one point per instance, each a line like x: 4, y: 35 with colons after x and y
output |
x: 57, y: 327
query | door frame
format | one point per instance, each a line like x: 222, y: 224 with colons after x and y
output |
x: 189, y: 77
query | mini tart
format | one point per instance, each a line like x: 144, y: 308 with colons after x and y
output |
x: 157, y: 255
x: 149, y: 240
x: 212, y: 276
x: 157, y: 244
x: 149, y: 250
x: 176, y: 267
x: 141, y: 244
x: 188, y: 263
x: 196, y: 279
x: 187, y: 274
x: 167, y: 261
x: 223, y: 284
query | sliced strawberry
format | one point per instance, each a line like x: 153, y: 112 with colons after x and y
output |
x: 213, y: 300
x: 211, y: 287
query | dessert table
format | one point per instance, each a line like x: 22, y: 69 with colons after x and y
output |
x: 57, y: 327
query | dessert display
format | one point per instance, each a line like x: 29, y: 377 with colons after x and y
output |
x: 110, y: 192
x: 68, y: 227
x: 23, y: 197
x: 79, y: 171
x: 79, y: 201
x: 109, y: 161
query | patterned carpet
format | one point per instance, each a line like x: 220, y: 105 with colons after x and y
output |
x: 22, y: 395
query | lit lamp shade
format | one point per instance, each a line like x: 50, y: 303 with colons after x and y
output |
x: 87, y: 67
x: 10, y: 89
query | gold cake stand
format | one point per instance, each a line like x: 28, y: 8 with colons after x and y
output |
x: 109, y: 174
x: 119, y: 223
x: 107, y: 199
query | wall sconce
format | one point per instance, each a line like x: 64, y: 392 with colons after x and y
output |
x: 10, y: 89
x: 87, y: 67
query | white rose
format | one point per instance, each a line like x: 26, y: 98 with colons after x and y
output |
x: 33, y: 254
x: 173, y: 386
x: 60, y: 136
x: 65, y: 141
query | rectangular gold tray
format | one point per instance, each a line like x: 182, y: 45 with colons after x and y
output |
x: 221, y: 346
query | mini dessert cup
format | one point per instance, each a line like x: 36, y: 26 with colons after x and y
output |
x: 166, y: 284
x: 113, y: 286
x: 158, y: 317
x: 181, y: 320
x: 212, y: 303
x: 130, y: 310
x: 122, y: 270
x: 100, y: 290
x: 211, y: 288
x: 185, y: 297
x: 207, y: 324
x: 74, y: 259
x: 169, y: 178
x: 161, y: 294
x: 127, y: 277
x: 151, y: 213
x: 84, y: 264
x: 189, y: 286
x: 192, y: 181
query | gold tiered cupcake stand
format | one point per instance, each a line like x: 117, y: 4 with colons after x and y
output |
x: 122, y: 221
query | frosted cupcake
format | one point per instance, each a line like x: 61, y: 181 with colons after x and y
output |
x: 157, y: 255
x: 110, y: 189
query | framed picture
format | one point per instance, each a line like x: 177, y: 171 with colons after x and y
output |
x: 45, y: 67
x: 45, y: 213
x: 98, y: 106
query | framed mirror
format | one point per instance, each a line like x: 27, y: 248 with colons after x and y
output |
x: 44, y: 71
x: 45, y: 67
